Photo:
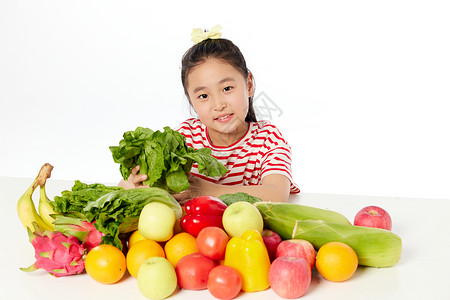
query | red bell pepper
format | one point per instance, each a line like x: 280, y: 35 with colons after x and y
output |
x: 202, y: 212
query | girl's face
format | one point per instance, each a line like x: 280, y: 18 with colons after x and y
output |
x: 219, y: 94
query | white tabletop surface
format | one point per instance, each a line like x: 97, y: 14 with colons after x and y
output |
x: 422, y: 273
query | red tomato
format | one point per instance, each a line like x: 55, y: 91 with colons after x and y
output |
x: 212, y: 242
x: 224, y: 282
x: 193, y: 270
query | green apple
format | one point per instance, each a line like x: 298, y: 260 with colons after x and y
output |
x: 156, y: 278
x: 156, y: 221
x: 240, y: 217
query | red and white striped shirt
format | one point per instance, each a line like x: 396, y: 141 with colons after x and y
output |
x: 262, y: 151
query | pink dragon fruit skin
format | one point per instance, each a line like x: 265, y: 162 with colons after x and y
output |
x: 84, y: 231
x: 58, y: 254
x: 94, y: 237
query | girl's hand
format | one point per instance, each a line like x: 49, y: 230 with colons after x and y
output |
x: 195, y: 189
x: 183, y: 196
x: 134, y: 180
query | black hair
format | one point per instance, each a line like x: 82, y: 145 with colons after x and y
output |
x: 222, y: 49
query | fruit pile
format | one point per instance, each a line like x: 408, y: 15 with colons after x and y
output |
x: 207, y: 244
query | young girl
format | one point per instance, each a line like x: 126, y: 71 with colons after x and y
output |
x: 220, y: 89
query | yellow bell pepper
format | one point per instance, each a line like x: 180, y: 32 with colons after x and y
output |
x: 249, y: 256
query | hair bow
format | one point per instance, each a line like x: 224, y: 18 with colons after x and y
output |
x: 199, y: 35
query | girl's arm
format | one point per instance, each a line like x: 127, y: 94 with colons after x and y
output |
x: 274, y: 188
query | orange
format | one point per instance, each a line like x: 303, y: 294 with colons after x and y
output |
x: 180, y: 245
x: 135, y: 237
x: 140, y: 252
x: 336, y: 261
x: 105, y: 264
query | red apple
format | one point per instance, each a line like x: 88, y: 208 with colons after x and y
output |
x: 373, y: 216
x: 297, y: 248
x: 271, y: 240
x: 193, y: 271
x: 289, y: 277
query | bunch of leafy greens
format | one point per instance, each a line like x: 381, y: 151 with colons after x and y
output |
x: 80, y: 195
x: 164, y: 157
x: 229, y: 199
x: 113, y: 210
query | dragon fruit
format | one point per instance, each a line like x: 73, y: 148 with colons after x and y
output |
x: 58, y: 254
x: 84, y: 231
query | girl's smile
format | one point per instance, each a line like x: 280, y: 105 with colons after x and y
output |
x: 220, y: 96
x: 224, y: 118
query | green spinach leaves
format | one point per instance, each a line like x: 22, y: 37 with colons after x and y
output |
x: 164, y: 157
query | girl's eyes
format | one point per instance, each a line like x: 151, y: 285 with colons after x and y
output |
x: 205, y: 96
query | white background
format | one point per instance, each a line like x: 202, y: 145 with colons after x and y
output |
x: 362, y: 86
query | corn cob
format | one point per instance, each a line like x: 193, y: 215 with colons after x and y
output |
x: 301, y: 212
x: 375, y: 247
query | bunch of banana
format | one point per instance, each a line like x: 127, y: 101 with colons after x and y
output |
x: 26, y: 209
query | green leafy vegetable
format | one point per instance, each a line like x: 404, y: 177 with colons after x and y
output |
x: 229, y: 199
x: 113, y: 209
x: 79, y: 196
x: 164, y: 157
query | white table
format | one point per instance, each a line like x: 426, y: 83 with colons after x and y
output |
x: 422, y: 273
